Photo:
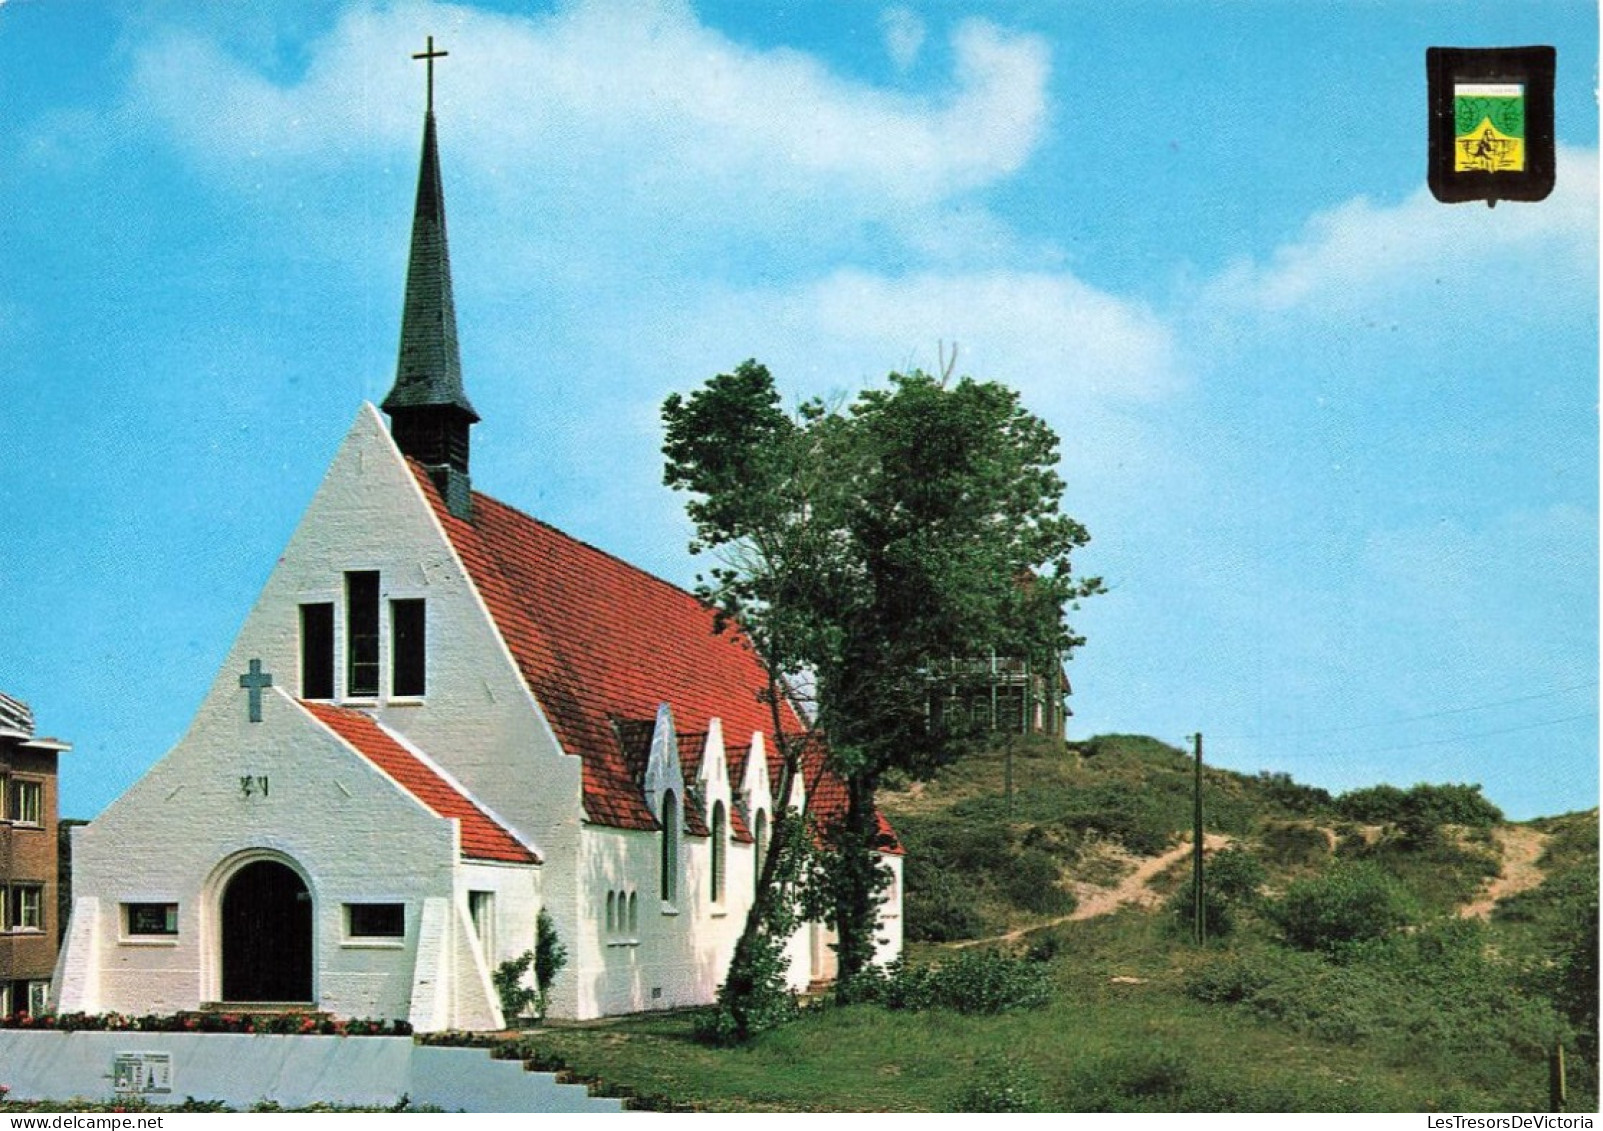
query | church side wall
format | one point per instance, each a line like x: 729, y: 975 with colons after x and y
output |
x: 180, y: 832
x: 677, y: 953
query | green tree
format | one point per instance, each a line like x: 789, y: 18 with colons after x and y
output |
x: 855, y: 543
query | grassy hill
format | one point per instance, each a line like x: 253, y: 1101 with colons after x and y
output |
x: 1343, y: 973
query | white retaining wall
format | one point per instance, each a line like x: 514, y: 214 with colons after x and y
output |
x: 293, y: 1071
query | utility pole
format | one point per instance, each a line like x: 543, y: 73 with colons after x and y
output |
x: 1199, y: 924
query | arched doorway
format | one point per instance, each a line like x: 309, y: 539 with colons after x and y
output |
x: 267, y: 935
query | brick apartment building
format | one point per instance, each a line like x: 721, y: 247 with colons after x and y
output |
x: 28, y: 929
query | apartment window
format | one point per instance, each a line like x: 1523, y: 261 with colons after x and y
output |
x: 375, y: 920
x: 24, y: 802
x: 24, y: 905
x: 361, y: 634
x: 38, y: 998
x: 151, y: 918
x: 317, y: 651
x: 407, y: 635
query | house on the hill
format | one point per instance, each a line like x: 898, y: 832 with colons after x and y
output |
x: 1002, y: 693
x: 27, y: 859
x: 441, y: 717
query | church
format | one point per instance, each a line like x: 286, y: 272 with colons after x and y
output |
x: 442, y: 717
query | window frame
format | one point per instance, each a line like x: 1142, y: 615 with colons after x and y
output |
x: 668, y: 851
x: 349, y: 912
x: 415, y: 655
x: 364, y: 630
x: 17, y: 905
x: 18, y: 786
x: 170, y: 912
x: 719, y: 826
x: 316, y: 649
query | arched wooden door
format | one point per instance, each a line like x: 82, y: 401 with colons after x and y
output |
x: 267, y: 935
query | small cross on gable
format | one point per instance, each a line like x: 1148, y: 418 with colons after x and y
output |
x: 255, y: 681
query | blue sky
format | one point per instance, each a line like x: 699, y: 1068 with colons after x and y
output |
x: 1336, y: 443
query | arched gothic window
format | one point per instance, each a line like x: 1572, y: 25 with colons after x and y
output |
x: 760, y: 835
x: 670, y: 847
x: 718, y: 839
x: 612, y: 912
x: 634, y: 913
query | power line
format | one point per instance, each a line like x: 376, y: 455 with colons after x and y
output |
x: 1453, y: 741
x: 1418, y: 718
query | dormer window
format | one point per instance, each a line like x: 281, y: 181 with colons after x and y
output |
x: 361, y: 634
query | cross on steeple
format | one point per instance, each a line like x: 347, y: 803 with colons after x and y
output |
x: 254, y: 681
x: 430, y: 414
x: 429, y: 54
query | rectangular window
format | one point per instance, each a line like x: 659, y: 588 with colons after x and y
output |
x: 481, y: 905
x: 5, y: 999
x: 25, y: 802
x: 361, y: 633
x: 375, y: 920
x: 24, y: 908
x: 151, y: 918
x: 38, y: 998
x: 407, y: 633
x: 317, y: 651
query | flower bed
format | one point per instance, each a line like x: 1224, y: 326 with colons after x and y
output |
x: 209, y: 1022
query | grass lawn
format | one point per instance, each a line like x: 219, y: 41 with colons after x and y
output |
x: 1120, y: 1034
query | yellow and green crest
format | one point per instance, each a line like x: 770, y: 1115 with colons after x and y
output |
x: 1489, y: 127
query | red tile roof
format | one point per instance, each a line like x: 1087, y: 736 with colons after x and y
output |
x: 602, y: 644
x: 483, y: 838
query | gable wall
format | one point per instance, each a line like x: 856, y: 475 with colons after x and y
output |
x: 351, y: 832
x: 477, y: 720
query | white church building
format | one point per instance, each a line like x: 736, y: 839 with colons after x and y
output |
x: 441, y: 717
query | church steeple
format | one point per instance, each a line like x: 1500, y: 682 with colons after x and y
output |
x: 430, y: 413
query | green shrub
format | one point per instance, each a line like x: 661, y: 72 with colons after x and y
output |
x: 939, y: 908
x: 1349, y: 903
x: 1136, y: 820
x: 1033, y: 883
x: 1000, y: 1085
x: 975, y: 982
x: 1233, y: 882
x: 1234, y: 978
x: 1281, y: 790
x: 517, y: 999
x: 1131, y: 1080
x: 1287, y: 844
x: 550, y: 956
x: 1423, y: 806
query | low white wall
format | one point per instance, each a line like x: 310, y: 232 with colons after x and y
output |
x: 294, y: 1071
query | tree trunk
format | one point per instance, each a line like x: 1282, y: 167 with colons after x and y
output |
x: 857, y: 885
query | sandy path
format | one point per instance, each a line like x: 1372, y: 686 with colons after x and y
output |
x: 1132, y: 889
x: 1521, y: 848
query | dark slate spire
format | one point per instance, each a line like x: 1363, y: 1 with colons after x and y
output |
x: 430, y: 413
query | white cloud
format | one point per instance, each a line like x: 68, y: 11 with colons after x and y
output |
x: 1349, y: 255
x: 1057, y: 339
x: 904, y: 35
x: 641, y: 90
